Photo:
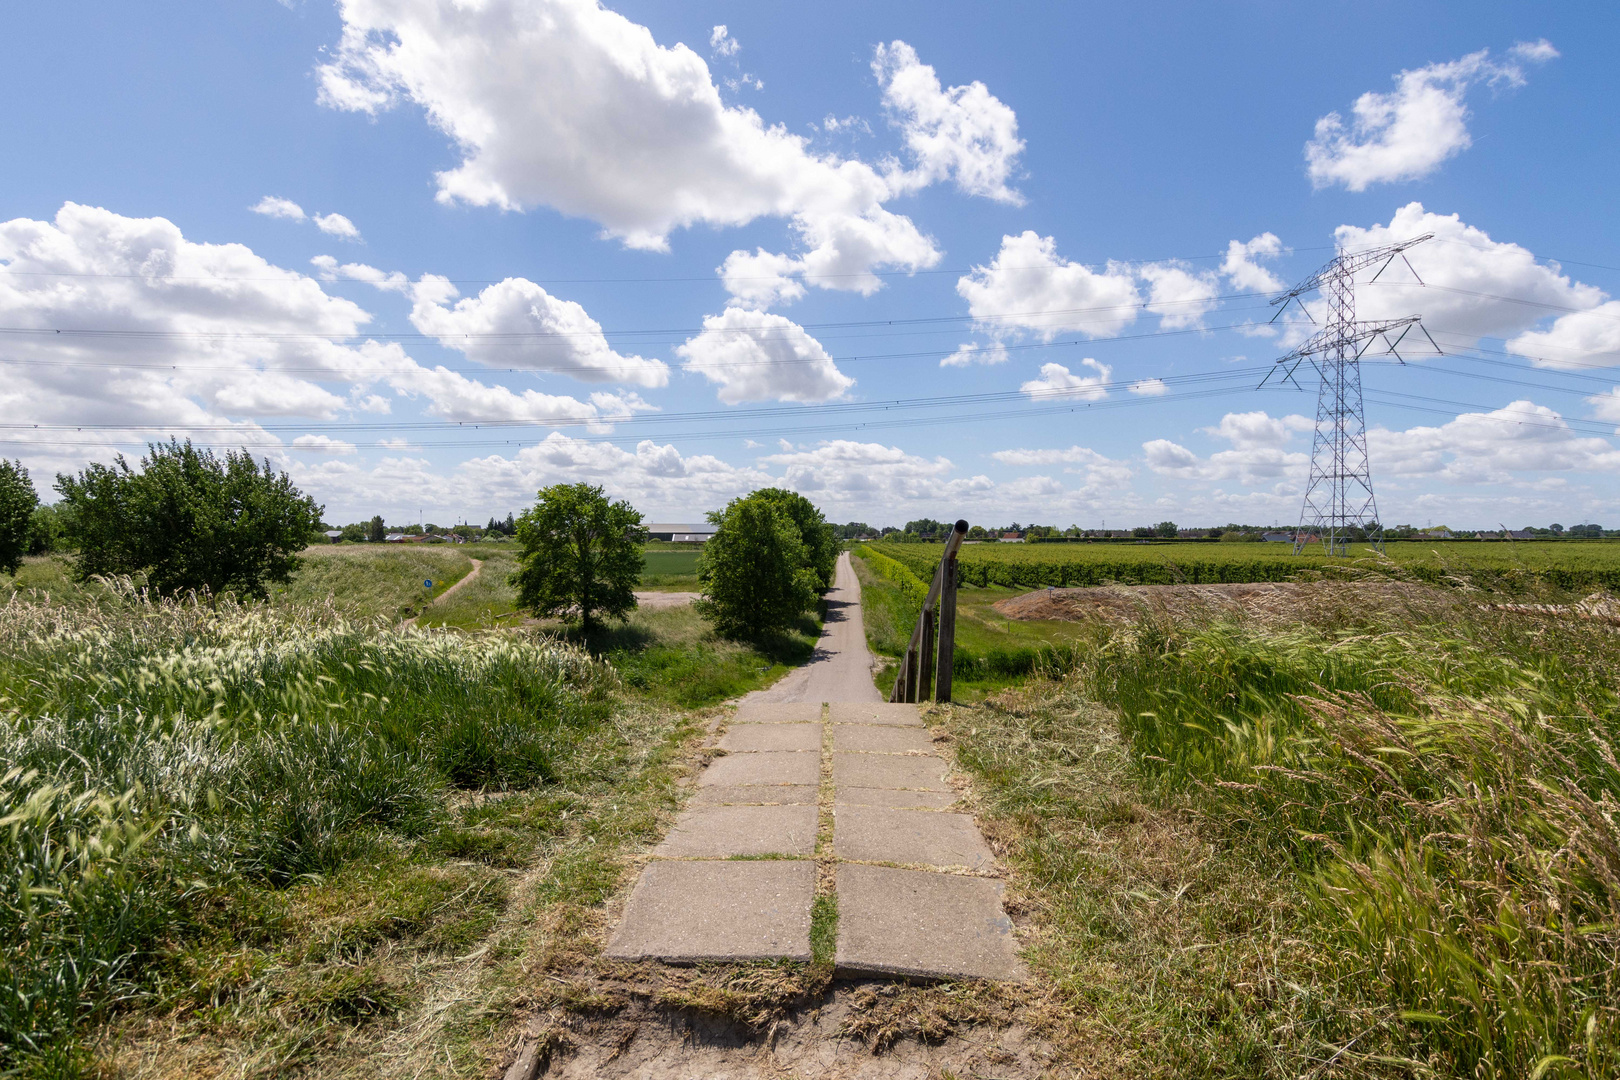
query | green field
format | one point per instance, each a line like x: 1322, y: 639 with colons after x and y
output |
x: 1565, y: 564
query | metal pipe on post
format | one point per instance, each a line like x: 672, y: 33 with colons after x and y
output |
x: 947, y: 613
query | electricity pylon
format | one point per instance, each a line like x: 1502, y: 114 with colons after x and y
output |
x: 1339, y: 493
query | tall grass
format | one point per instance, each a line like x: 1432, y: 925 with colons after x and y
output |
x: 1449, y: 790
x: 161, y: 755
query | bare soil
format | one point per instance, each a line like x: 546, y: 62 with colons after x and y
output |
x: 1267, y: 602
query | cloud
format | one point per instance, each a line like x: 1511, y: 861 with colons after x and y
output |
x: 1580, y: 339
x: 566, y: 104
x: 973, y: 353
x: 755, y: 356
x: 1259, y: 429
x: 388, y: 282
x: 1100, y: 472
x: 1242, y: 268
x: 1181, y: 295
x: 964, y: 133
x: 1150, y: 388
x: 832, y: 125
x: 517, y: 324
x: 1408, y: 133
x: 275, y: 206
x: 1257, y: 457
x: 722, y: 43
x: 322, y: 444
x: 336, y: 225
x: 1474, y: 287
x: 1057, y: 380
x: 1607, y: 407
x: 331, y: 224
x: 192, y: 335
x: 1028, y: 286
x: 1491, y: 447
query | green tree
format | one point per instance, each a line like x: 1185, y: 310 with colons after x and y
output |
x: 18, y: 500
x: 376, y: 531
x: 755, y: 572
x: 580, y: 554
x: 190, y: 520
x: 1166, y: 529
x: 47, y: 530
x: 820, y: 545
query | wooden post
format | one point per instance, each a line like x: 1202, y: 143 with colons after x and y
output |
x: 925, y: 674
x: 947, y: 617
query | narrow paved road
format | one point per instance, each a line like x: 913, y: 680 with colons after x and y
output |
x: 841, y: 667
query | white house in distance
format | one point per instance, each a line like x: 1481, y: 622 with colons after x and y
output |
x: 680, y: 532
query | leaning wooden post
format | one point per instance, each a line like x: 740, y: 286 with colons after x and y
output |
x: 947, y: 614
x: 925, y: 654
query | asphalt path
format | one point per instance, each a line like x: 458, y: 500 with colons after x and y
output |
x: 841, y: 667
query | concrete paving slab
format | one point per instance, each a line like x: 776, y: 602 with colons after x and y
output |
x: 751, y: 738
x: 777, y: 712
x: 875, y: 712
x: 871, y: 796
x: 765, y: 767
x: 912, y: 922
x: 692, y: 911
x: 880, y: 771
x: 756, y: 794
x: 881, y: 739
x: 720, y: 832
x: 917, y: 837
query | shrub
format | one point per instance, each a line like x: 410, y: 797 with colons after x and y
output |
x: 189, y: 521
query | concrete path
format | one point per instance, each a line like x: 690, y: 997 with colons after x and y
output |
x: 841, y: 667
x: 842, y: 796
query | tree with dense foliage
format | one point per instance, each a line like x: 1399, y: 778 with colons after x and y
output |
x: 376, y: 531
x: 1166, y: 529
x: 821, y: 547
x: 47, y: 530
x: 756, y: 573
x: 927, y: 527
x: 190, y: 520
x: 18, y: 500
x: 580, y: 554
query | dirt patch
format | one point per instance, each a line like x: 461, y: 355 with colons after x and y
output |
x: 656, y: 601
x: 659, y: 1023
x: 1272, y: 603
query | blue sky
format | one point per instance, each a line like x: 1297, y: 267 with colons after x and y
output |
x: 430, y: 257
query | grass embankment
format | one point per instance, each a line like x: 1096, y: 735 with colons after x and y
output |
x: 1503, y: 566
x: 992, y: 651
x: 270, y: 836
x: 1389, y: 849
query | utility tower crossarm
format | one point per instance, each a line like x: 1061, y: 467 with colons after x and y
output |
x: 1350, y: 263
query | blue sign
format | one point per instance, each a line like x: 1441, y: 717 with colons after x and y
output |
x: 428, y: 584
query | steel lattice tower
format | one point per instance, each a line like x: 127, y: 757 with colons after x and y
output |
x: 1339, y: 492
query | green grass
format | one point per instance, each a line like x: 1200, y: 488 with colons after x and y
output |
x: 370, y: 580
x: 268, y: 833
x: 992, y: 651
x: 1517, y: 565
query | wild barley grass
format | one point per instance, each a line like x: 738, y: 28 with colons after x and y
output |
x: 161, y: 754
x: 1448, y: 790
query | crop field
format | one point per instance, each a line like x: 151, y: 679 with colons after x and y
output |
x: 1565, y: 564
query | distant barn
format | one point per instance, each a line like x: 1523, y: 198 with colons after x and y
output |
x: 681, y: 533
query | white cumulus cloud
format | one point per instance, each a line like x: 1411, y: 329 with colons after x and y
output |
x: 1408, y: 133
x: 1057, y: 380
x: 1179, y: 294
x: 275, y: 206
x: 1242, y: 264
x: 974, y: 353
x: 758, y: 356
x: 517, y: 324
x: 336, y: 225
x: 964, y: 133
x: 322, y: 444
x: 1028, y: 286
